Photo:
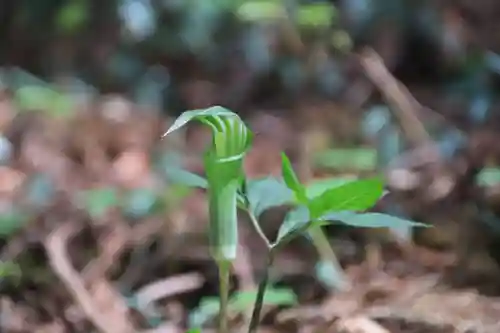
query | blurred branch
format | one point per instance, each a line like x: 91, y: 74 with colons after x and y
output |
x: 398, y: 96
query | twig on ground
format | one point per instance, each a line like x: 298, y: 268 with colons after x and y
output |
x: 112, y: 246
x: 55, y: 245
x: 168, y: 287
x: 361, y: 324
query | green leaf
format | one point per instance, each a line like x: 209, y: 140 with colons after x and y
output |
x: 72, y: 16
x: 243, y: 300
x: 43, y: 98
x: 194, y: 330
x: 401, y: 231
x: 357, y: 159
x: 296, y: 222
x: 10, y: 269
x: 170, y: 166
x: 98, y: 201
x: 187, y: 178
x: 139, y: 203
x: 259, y: 10
x: 341, y: 40
x: 11, y: 221
x: 357, y: 195
x: 369, y: 220
x: 488, y: 177
x: 266, y: 193
x: 318, y: 186
x: 62, y: 105
x: 291, y: 179
x: 31, y: 98
x: 236, y: 137
x: 299, y: 221
x: 315, y: 15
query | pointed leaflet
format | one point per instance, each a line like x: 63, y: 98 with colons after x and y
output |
x: 354, y: 196
x: 368, y: 220
x: 201, y: 115
x: 296, y: 222
x: 318, y: 186
x: 402, y: 232
x: 291, y: 179
x: 266, y: 193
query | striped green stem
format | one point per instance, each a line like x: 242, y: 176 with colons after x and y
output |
x: 224, y: 277
x: 223, y: 231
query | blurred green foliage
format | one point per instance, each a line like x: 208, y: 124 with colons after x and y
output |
x: 240, y: 302
x: 148, y: 48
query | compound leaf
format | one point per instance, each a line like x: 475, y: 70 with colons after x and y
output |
x: 369, y: 220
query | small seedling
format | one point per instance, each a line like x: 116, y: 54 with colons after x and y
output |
x: 228, y: 190
x: 338, y: 203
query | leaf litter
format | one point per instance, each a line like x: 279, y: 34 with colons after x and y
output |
x: 84, y: 247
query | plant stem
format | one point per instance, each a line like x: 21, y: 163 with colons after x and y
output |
x: 224, y: 275
x: 259, y: 301
x: 326, y: 254
x: 258, y: 229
